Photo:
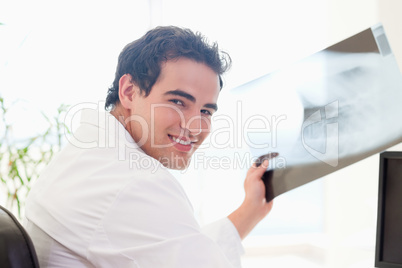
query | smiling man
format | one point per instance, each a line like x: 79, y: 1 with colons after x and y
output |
x: 178, y: 110
x: 93, y: 208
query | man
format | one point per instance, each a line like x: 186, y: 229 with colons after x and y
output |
x: 96, y: 207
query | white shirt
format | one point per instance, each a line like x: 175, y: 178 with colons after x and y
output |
x: 102, y: 202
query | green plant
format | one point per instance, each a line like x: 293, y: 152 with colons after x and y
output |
x: 22, y: 161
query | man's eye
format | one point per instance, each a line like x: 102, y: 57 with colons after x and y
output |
x: 178, y: 102
x: 206, y: 112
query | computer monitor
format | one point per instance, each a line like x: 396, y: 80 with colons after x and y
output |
x: 388, y: 252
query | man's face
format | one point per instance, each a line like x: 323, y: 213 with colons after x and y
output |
x: 174, y: 119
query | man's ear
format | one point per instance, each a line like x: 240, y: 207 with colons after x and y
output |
x: 127, y: 91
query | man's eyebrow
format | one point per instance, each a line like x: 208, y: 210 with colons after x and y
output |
x: 190, y: 97
x: 211, y: 106
x: 181, y: 93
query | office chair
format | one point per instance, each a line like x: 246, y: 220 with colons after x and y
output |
x: 16, y: 247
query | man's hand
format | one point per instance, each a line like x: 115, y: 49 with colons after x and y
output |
x: 254, y: 207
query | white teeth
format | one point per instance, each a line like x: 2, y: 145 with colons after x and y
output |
x: 181, y: 141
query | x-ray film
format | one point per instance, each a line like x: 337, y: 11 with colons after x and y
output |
x: 324, y: 112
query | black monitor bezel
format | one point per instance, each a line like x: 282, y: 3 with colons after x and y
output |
x: 379, y: 263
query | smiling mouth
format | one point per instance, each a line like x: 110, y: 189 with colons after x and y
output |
x: 180, y: 141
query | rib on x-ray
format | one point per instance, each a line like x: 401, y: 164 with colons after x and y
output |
x: 327, y: 111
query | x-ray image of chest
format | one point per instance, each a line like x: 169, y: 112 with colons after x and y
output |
x: 325, y: 112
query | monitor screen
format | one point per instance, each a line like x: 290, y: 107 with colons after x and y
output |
x: 389, y: 225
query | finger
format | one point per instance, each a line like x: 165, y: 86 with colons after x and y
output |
x: 258, y: 171
x: 268, y: 156
x: 264, y: 164
x: 255, y: 167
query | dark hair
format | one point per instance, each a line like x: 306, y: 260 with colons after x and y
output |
x: 142, y: 58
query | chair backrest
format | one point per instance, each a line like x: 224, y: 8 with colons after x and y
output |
x: 16, y: 247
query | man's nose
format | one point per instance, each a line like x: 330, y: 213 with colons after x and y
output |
x: 194, y: 124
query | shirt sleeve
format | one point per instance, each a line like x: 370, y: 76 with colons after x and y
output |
x: 225, y: 234
x: 151, y: 224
